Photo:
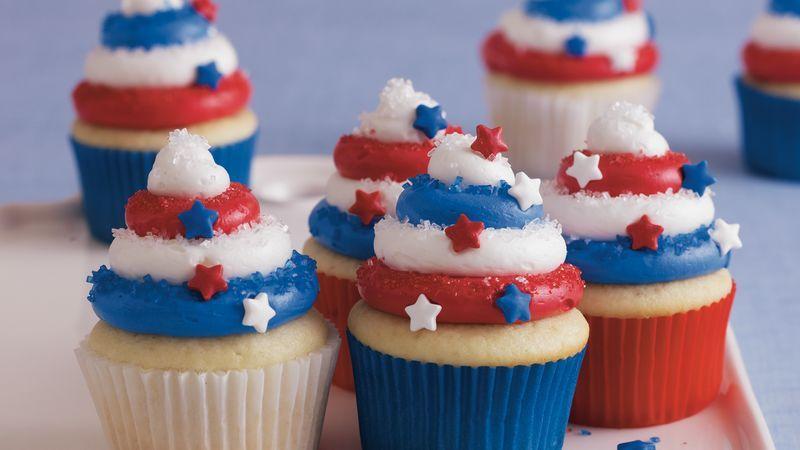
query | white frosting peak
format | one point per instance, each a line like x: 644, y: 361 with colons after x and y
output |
x: 453, y: 157
x: 393, y: 120
x: 185, y: 168
x: 780, y: 31
x: 626, y: 128
x: 132, y: 7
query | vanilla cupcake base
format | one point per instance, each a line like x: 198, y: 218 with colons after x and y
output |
x: 277, y: 406
x: 545, y: 122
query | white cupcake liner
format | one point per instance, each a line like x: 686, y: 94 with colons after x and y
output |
x: 281, y: 406
x: 542, y: 126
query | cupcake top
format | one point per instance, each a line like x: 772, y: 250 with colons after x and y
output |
x: 390, y: 145
x: 161, y: 64
x: 635, y: 212
x: 470, y: 243
x: 572, y: 41
x: 198, y: 258
x: 773, y: 51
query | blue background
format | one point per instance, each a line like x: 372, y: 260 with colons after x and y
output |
x: 317, y: 64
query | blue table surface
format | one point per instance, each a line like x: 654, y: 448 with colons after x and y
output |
x: 317, y: 64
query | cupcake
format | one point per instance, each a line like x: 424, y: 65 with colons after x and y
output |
x: 467, y: 336
x: 160, y: 65
x: 769, y: 92
x: 389, y: 146
x: 555, y: 65
x: 206, y: 338
x: 639, y: 222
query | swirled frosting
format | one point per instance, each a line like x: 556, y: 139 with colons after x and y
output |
x: 772, y: 53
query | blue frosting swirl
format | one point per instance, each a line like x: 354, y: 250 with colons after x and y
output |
x: 342, y: 232
x: 785, y: 7
x: 575, y: 10
x: 426, y: 198
x: 158, y: 307
x: 678, y: 257
x: 162, y: 28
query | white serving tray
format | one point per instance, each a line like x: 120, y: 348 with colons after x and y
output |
x: 46, y: 254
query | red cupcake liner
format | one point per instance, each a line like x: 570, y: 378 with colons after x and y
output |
x: 336, y: 299
x: 644, y: 372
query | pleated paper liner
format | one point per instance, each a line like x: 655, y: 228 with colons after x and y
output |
x: 644, y: 372
x: 110, y: 176
x: 278, y: 407
x: 336, y: 299
x: 412, y: 405
x: 770, y: 135
x: 542, y: 126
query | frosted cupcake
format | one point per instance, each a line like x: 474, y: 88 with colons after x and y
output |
x: 639, y: 221
x: 555, y: 65
x: 389, y: 146
x: 160, y: 65
x: 205, y: 340
x: 467, y: 336
x: 769, y: 92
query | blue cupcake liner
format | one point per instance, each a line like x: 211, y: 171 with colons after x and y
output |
x: 770, y: 135
x: 109, y: 177
x: 413, y: 405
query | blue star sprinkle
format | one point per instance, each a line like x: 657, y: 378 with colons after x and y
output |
x: 575, y: 46
x: 515, y: 304
x: 696, y: 177
x: 429, y: 120
x: 199, y: 221
x: 208, y: 75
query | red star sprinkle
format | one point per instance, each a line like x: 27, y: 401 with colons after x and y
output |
x: 206, y: 8
x: 489, y: 142
x: 368, y: 205
x: 465, y: 234
x: 453, y: 129
x: 208, y: 281
x: 632, y: 5
x: 644, y: 233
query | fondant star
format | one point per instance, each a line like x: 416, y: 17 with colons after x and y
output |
x: 257, y: 312
x: 726, y: 235
x: 644, y: 233
x: 423, y: 314
x: 696, y: 177
x: 208, y: 281
x: 429, y: 120
x: 515, y: 304
x: 368, y: 205
x: 585, y: 168
x: 198, y: 221
x: 206, y: 8
x: 208, y: 75
x: 575, y: 46
x: 465, y: 234
x: 526, y: 191
x: 632, y: 5
x: 489, y: 142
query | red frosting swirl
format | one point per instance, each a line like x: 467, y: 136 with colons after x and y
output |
x: 153, y: 108
x: 625, y: 173
x: 502, y: 56
x: 468, y: 299
x: 772, y: 65
x: 359, y: 157
x: 148, y: 213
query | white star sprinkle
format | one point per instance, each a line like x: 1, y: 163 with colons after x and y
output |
x: 526, y: 191
x: 257, y: 312
x: 423, y: 314
x: 585, y: 169
x: 726, y: 235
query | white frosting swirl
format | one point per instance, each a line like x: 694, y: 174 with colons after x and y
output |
x: 779, y: 31
x: 260, y: 247
x: 393, y: 120
x: 618, y: 38
x: 425, y: 248
x: 341, y: 191
x: 626, y: 128
x: 174, y: 65
x: 453, y: 157
x: 133, y: 7
x: 185, y: 168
